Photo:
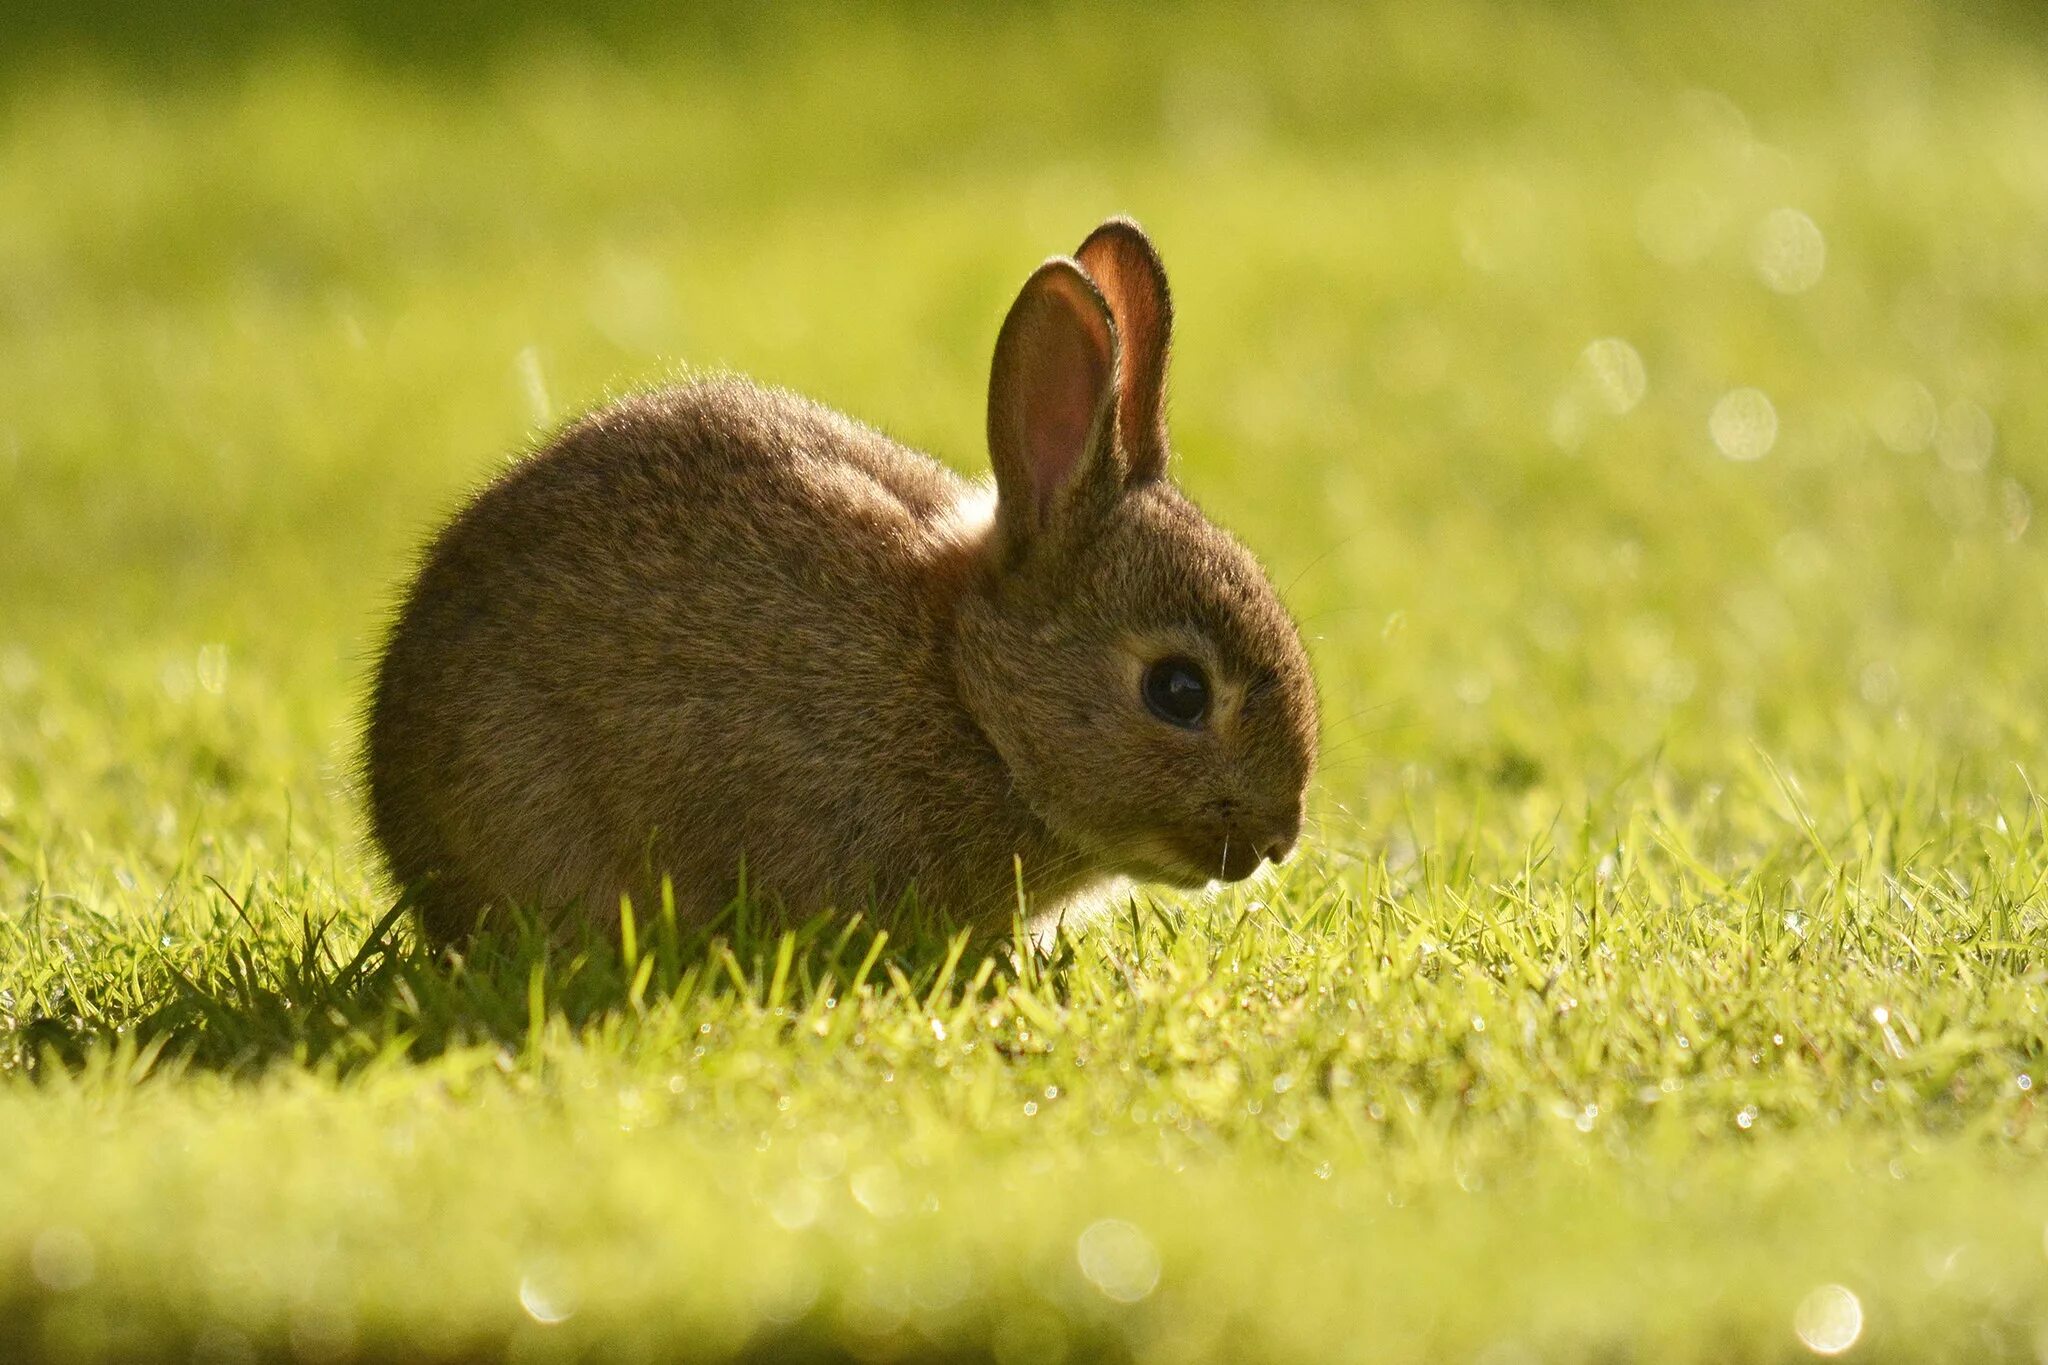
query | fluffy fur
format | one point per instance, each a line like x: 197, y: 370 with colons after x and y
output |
x: 721, y: 626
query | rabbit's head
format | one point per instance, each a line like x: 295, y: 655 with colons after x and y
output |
x: 1128, y: 659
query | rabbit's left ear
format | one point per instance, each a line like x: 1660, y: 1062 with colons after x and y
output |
x: 1052, y: 406
x: 1125, y: 266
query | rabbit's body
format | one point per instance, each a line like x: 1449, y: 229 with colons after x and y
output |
x: 747, y: 601
x: 719, y: 633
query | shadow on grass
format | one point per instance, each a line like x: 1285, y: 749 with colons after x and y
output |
x: 260, y: 996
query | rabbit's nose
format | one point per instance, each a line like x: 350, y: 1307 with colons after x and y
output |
x: 1281, y: 841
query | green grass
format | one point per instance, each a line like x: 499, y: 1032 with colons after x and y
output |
x: 1671, y: 943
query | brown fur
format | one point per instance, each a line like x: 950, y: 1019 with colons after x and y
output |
x: 720, y: 624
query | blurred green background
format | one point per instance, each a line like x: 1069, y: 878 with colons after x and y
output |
x: 274, y: 298
x: 1640, y: 405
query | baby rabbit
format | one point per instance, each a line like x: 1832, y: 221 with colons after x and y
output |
x: 720, y: 632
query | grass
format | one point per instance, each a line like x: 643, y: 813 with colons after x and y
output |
x: 1665, y: 979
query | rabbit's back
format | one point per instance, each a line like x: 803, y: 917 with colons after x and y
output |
x: 705, y: 625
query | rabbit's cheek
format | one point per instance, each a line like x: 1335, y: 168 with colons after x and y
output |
x: 1159, y: 858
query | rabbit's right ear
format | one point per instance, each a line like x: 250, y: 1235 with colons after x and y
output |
x: 1052, y: 405
x: 1125, y: 266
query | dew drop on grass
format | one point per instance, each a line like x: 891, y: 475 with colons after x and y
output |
x: 1743, y: 424
x: 1829, y: 1320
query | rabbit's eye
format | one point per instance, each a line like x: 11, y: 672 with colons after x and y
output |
x: 1177, y: 691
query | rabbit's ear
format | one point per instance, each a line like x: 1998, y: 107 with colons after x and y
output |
x: 1052, y: 403
x: 1126, y: 267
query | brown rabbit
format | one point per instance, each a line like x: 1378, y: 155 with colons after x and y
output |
x: 719, y: 627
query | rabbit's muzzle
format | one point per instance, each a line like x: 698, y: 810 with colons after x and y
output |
x: 1277, y: 848
x: 1234, y: 852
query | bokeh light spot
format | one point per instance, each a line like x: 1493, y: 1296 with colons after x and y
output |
x: 1966, y: 437
x: 1904, y: 417
x: 1118, y: 1259
x: 1789, y: 251
x: 1743, y: 424
x: 1829, y: 1320
x: 1615, y: 371
x: 546, y: 1295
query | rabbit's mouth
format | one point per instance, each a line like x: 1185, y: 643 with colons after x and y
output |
x: 1234, y: 859
x: 1192, y: 859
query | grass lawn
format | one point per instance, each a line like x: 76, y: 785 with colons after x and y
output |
x: 1644, y: 410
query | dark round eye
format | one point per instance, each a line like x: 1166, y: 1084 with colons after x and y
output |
x: 1177, y: 691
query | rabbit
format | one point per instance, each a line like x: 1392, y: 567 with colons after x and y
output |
x: 723, y: 636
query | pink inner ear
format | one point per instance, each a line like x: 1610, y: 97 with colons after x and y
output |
x: 1067, y: 375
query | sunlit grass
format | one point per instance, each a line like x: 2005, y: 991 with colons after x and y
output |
x: 1644, y: 418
